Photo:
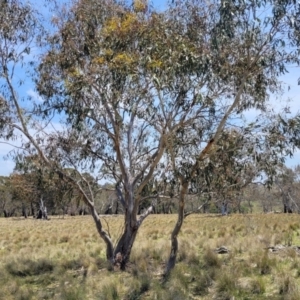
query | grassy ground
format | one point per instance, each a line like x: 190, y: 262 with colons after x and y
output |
x: 65, y: 259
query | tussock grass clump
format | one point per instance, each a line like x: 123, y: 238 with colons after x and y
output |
x: 29, y: 267
x: 294, y: 226
x: 185, y: 251
x: 109, y: 292
x: 257, y: 286
x: 64, y: 239
x: 226, y: 286
x: 72, y: 292
x: 179, y: 278
x: 24, y: 293
x: 202, y: 284
x: 264, y: 263
x: 76, y: 263
x: 287, y: 287
x: 139, y: 289
x: 211, y: 259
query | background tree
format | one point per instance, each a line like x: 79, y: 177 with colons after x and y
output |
x: 33, y: 181
x: 247, y: 72
x: 8, y: 207
x: 288, y: 188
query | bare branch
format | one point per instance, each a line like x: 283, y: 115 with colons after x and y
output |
x: 144, y: 215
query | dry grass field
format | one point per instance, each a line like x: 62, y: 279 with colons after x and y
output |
x: 65, y: 259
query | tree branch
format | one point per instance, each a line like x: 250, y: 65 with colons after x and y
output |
x: 196, y: 210
x: 145, y: 215
x: 120, y: 195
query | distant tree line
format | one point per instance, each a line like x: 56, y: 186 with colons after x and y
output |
x: 24, y: 193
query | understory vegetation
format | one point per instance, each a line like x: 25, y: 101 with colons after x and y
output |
x: 63, y: 259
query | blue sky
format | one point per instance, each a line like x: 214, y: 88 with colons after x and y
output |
x: 291, y: 79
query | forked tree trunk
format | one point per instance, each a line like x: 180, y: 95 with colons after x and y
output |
x: 123, y: 249
x: 121, y: 253
x: 124, y: 246
x: 42, y: 213
x: 174, y: 240
x: 224, y: 209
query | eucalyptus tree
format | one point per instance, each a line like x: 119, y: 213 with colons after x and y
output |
x: 8, y: 207
x: 109, y: 71
x: 41, y: 189
x: 251, y: 44
x: 19, y: 30
x: 128, y: 80
x: 287, y: 188
x: 144, y: 96
x: 241, y: 158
